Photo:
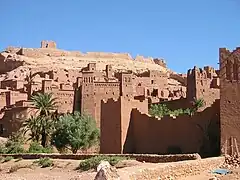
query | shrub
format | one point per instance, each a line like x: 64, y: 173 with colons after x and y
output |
x: 75, y: 132
x: 3, y: 149
x: 14, y: 147
x: 44, y: 162
x: 93, y: 162
x: 37, y: 148
x: 8, y: 158
x: 159, y: 110
x: 14, y: 144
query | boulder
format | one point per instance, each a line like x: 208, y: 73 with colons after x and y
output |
x: 106, y: 172
x: 103, y: 164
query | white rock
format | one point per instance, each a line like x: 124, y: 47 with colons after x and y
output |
x: 103, y: 164
x: 106, y: 172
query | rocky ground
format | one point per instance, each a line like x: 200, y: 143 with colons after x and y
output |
x: 66, y: 170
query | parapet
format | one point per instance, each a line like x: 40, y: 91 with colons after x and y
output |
x: 107, y: 55
x: 48, y: 44
x: 197, y: 72
x: 143, y: 59
x: 211, y: 72
x: 160, y: 62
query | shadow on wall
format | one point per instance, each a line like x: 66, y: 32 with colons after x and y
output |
x: 184, y: 134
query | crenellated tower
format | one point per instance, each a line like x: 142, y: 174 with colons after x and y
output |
x: 126, y: 87
x: 88, y: 94
x: 229, y: 95
x: 197, y: 83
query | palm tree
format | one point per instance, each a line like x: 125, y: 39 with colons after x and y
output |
x: 199, y: 103
x: 45, y: 103
x: 32, y: 124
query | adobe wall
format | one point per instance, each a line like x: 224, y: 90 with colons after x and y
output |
x: 202, y: 83
x: 160, y: 62
x: 3, y: 98
x: 143, y: 59
x: 12, y: 84
x: 108, y: 55
x: 110, y: 141
x: 13, y: 96
x: 9, y: 64
x: 104, y: 91
x: 115, y: 119
x: 151, y: 83
x: 229, y: 97
x: 94, y: 87
x: 13, y: 118
x: 179, y: 77
x: 153, y: 135
x: 65, y: 100
x: 140, y: 133
x: 48, y: 44
x: 151, y: 158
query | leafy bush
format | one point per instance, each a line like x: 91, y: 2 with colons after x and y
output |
x: 161, y: 110
x: 8, y: 158
x: 37, y: 148
x: 14, y: 147
x: 75, y: 132
x: 44, y: 162
x: 93, y: 162
x: 3, y: 149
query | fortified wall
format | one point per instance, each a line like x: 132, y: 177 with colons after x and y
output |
x: 229, y: 96
x: 115, y: 119
x: 134, y: 131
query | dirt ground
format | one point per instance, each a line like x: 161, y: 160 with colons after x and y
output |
x: 66, y: 170
x: 207, y: 175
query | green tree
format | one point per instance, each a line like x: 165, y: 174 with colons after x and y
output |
x: 159, y: 110
x: 42, y: 126
x: 75, y: 132
x: 45, y: 103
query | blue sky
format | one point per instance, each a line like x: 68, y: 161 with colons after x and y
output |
x: 183, y: 32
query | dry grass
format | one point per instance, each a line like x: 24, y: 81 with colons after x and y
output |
x: 16, y: 167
